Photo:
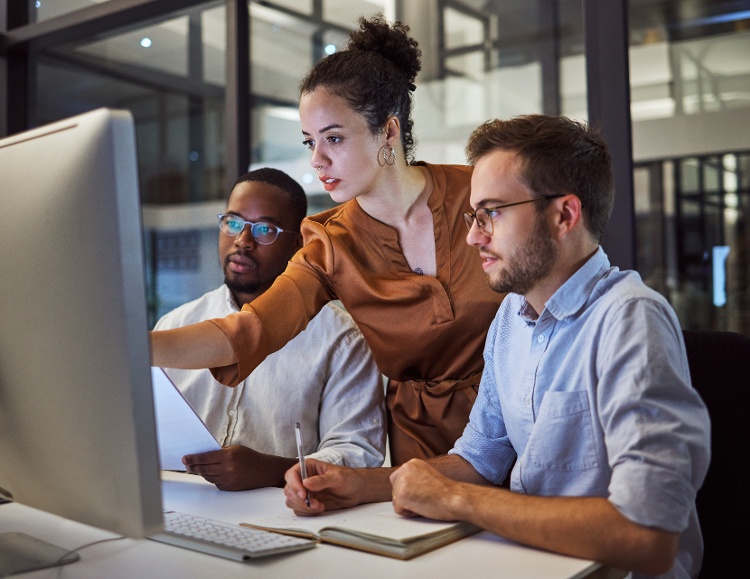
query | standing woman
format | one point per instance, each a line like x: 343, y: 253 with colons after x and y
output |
x: 394, y: 252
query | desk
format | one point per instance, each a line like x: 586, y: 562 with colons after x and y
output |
x: 476, y: 557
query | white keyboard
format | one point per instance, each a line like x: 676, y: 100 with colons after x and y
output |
x: 224, y: 539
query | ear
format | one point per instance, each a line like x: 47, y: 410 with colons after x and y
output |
x: 568, y: 216
x: 392, y: 130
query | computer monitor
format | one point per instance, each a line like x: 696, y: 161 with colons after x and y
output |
x: 77, y: 428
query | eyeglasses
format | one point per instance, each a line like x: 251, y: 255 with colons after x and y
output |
x: 484, y: 215
x: 262, y: 232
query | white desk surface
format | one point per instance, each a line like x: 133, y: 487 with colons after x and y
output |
x: 482, y: 555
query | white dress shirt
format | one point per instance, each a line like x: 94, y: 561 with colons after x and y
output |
x: 325, y: 379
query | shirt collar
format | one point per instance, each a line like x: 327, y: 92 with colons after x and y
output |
x: 575, y: 292
x: 229, y: 298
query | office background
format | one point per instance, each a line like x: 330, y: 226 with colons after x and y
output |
x: 213, y: 89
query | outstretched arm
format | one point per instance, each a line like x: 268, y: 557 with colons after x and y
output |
x: 586, y: 527
x: 201, y: 345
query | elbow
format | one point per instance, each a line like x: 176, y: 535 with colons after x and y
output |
x: 659, y: 564
x: 656, y: 553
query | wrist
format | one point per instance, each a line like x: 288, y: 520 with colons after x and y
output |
x: 374, y: 484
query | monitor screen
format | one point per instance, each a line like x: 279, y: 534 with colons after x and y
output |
x: 77, y: 429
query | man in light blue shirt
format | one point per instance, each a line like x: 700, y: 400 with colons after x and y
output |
x: 585, y: 409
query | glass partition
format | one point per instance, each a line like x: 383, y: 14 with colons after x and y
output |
x: 689, y: 90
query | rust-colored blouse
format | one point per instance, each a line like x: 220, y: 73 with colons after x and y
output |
x: 426, y: 333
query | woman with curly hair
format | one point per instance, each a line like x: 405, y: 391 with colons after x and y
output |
x: 393, y: 251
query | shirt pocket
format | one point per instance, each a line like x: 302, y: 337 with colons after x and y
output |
x: 562, y: 438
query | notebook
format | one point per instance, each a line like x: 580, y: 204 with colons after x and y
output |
x: 179, y: 430
x: 373, y: 527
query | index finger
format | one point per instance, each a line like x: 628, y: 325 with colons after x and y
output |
x: 294, y: 485
x: 296, y: 500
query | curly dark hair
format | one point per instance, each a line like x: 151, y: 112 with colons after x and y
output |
x: 375, y: 74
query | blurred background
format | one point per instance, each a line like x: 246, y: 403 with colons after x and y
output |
x: 213, y: 89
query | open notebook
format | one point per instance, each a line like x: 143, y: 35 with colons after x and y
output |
x: 373, y: 527
x: 179, y: 429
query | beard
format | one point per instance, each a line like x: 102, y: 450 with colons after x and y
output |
x: 238, y: 287
x: 528, y: 263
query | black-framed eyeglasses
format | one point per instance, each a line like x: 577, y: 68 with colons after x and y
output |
x: 484, y: 215
x: 262, y: 232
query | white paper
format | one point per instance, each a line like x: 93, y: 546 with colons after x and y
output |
x: 179, y: 429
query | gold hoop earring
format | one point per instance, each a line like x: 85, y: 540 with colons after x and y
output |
x: 388, y: 156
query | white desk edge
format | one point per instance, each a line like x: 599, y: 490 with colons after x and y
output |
x: 483, y: 555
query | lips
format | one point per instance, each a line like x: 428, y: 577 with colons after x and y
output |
x: 329, y: 183
x: 487, y: 260
x: 240, y: 264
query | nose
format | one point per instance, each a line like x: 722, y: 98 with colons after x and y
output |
x: 317, y: 159
x: 475, y: 237
x: 245, y: 238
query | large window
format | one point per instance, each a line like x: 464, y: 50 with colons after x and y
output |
x: 178, y: 66
x: 690, y: 92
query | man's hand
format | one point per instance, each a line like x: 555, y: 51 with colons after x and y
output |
x: 238, y: 468
x: 420, y: 489
x: 334, y: 487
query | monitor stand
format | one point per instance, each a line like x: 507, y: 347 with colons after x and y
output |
x: 20, y: 553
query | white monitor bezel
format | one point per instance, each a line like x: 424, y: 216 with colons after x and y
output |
x: 77, y: 428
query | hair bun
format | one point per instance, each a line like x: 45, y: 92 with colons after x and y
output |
x: 391, y: 41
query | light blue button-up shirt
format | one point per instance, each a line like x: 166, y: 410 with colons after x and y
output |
x: 593, y: 398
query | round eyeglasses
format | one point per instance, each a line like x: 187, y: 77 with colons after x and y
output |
x: 262, y: 232
x: 484, y: 215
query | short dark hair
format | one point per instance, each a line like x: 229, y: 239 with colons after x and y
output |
x: 559, y: 156
x: 375, y: 75
x: 277, y: 178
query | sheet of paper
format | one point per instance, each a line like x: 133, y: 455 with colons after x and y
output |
x: 179, y: 429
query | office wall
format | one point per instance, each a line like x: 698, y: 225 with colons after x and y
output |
x: 683, y: 136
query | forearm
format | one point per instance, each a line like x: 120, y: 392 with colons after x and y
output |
x: 589, y: 527
x: 445, y: 488
x: 457, y: 468
x: 201, y: 345
x: 374, y: 485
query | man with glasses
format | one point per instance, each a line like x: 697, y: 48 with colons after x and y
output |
x: 325, y: 379
x: 585, y: 408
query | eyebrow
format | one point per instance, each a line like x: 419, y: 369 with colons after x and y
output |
x: 490, y: 201
x: 263, y: 218
x: 326, y: 128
